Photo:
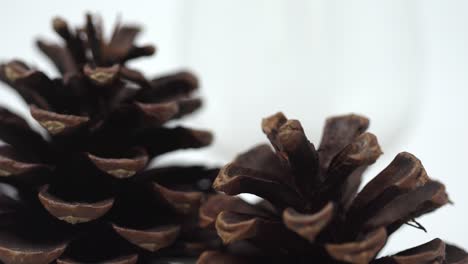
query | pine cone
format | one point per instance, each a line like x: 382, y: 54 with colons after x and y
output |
x: 312, y: 212
x: 85, y: 193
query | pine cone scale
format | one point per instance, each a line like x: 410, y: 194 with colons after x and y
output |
x: 337, y: 134
x: 183, y: 202
x: 73, y: 212
x: 234, y: 179
x: 410, y: 205
x: 218, y: 203
x: 62, y: 59
x: 123, y: 167
x: 233, y: 227
x: 16, y: 132
x: 132, y: 259
x: 430, y: 252
x: 12, y: 164
x: 30, y: 256
x: 150, y: 239
x: 359, y: 252
x: 308, y: 225
x: 404, y: 172
x: 56, y: 123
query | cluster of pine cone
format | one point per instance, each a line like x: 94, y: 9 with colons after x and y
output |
x: 84, y: 191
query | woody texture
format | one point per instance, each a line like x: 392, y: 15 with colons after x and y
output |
x: 312, y: 211
x: 83, y: 191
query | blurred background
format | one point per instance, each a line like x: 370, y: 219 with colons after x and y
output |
x: 402, y: 63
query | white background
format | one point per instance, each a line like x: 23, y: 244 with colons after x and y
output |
x: 402, y: 63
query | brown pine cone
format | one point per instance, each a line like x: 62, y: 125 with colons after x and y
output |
x: 85, y: 193
x: 312, y: 211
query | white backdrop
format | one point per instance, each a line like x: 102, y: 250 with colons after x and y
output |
x: 402, y: 63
